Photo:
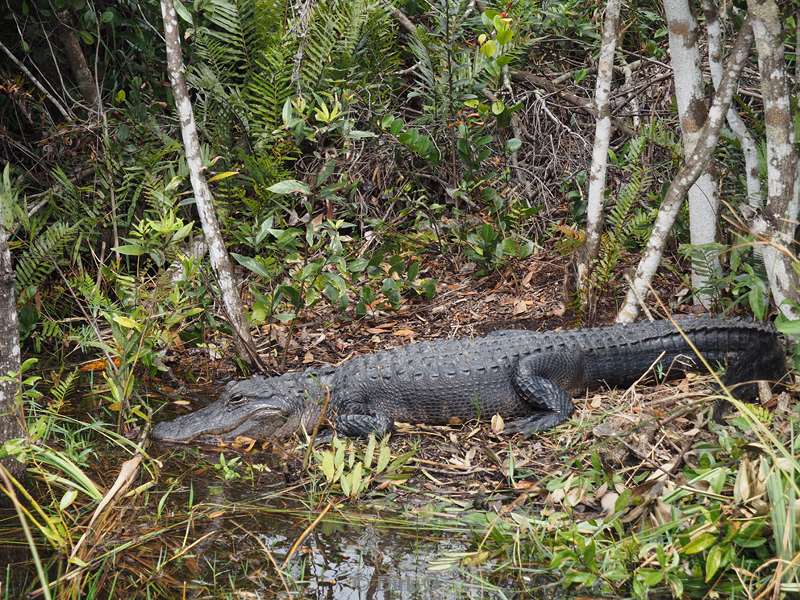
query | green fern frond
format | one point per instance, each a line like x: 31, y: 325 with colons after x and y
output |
x: 268, y: 89
x: 221, y: 41
x: 64, y: 388
x: 626, y: 198
x: 39, y: 260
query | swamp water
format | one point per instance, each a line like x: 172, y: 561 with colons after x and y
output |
x: 194, y: 534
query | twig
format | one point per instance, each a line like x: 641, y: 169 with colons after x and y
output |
x: 304, y: 535
x: 36, y: 82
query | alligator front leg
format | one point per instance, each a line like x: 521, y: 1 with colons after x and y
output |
x: 363, y: 425
x: 541, y: 381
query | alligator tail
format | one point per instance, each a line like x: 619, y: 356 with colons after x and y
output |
x: 754, y: 350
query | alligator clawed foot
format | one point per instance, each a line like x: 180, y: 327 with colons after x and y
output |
x: 536, y: 423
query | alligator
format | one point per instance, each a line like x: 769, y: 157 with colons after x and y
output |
x: 527, y: 377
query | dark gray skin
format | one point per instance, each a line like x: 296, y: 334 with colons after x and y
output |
x: 258, y: 407
x: 526, y: 377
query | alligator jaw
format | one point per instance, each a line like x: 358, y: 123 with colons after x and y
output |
x: 210, y: 423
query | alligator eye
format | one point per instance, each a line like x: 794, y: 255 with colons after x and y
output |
x: 236, y: 398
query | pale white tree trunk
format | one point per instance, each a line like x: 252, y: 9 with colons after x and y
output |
x: 602, y: 137
x: 11, y: 419
x: 776, y: 225
x: 735, y: 122
x: 218, y: 254
x: 692, y: 168
x: 691, y: 99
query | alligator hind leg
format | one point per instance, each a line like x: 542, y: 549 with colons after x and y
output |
x: 362, y: 425
x: 541, y: 381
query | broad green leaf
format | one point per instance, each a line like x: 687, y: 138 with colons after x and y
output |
x: 713, y: 561
x: 328, y: 468
x: 130, y: 250
x: 650, y: 577
x: 369, y: 453
x: 504, y: 36
x: 700, y: 543
x: 787, y: 327
x: 223, y: 175
x: 289, y: 186
x: 344, y: 481
x: 127, y: 322
x: 489, y: 49
x: 513, y: 144
x: 68, y: 498
x: 182, y: 232
x: 355, y: 479
x: 252, y: 264
x: 183, y: 12
x: 384, y: 456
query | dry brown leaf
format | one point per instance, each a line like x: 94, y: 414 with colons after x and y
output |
x: 526, y: 485
x: 404, y: 333
x: 608, y: 502
x: 520, y: 307
x: 243, y: 443
x: 528, y: 276
x: 498, y: 425
x: 127, y: 474
x: 308, y: 358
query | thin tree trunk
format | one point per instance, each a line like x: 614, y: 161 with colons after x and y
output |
x: 602, y: 137
x: 218, y: 254
x: 11, y: 420
x: 692, y: 168
x: 77, y: 62
x: 691, y: 99
x: 776, y: 225
x: 300, y: 31
x: 735, y: 122
x: 797, y: 49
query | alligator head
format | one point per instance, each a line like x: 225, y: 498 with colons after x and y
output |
x: 258, y: 408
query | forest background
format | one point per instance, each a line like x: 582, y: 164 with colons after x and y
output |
x: 222, y: 186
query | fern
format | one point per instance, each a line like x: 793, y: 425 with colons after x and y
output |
x: 39, y: 260
x: 268, y: 89
x: 225, y: 43
x: 624, y: 221
x: 61, y: 391
x: 248, y: 49
x: 629, y: 193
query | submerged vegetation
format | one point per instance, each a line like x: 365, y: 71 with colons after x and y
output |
x: 382, y: 172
